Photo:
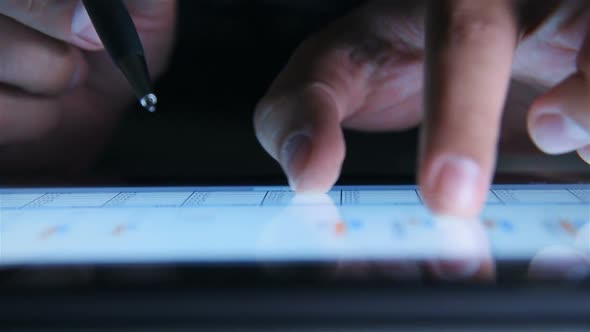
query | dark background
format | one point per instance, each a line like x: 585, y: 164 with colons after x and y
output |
x: 227, y: 54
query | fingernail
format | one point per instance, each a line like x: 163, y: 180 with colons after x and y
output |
x: 82, y: 26
x: 454, y: 183
x: 294, y: 155
x: 555, y: 133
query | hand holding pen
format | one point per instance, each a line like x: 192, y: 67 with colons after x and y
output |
x: 60, y: 93
x: 118, y: 34
x: 376, y: 69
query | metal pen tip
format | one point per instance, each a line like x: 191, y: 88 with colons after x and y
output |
x: 149, y: 102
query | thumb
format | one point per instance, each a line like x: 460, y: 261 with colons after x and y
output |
x: 302, y: 132
x: 64, y: 20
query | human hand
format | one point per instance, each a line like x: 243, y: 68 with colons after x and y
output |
x: 60, y: 93
x: 480, y: 61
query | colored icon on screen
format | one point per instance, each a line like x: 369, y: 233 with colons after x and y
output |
x: 421, y: 222
x: 342, y: 227
x: 52, y: 231
x: 498, y: 225
x: 120, y: 230
x: 564, y: 226
x: 354, y: 224
x: 571, y: 227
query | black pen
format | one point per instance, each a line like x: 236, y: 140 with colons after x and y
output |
x: 119, y: 37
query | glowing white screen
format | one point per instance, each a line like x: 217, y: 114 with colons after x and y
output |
x: 246, y: 224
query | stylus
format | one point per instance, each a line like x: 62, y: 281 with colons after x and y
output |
x: 120, y: 39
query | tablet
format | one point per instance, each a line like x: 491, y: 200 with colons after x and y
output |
x: 528, y: 253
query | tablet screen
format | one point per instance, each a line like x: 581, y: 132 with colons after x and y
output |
x: 272, y: 224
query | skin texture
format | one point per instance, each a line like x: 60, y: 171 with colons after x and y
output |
x: 477, y: 76
x: 60, y: 96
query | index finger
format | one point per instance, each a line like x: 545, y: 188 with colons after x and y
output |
x: 67, y: 20
x: 470, y: 47
x: 64, y: 20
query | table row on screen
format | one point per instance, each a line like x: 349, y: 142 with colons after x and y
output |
x: 115, y: 199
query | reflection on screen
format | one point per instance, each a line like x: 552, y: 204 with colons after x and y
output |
x: 227, y: 224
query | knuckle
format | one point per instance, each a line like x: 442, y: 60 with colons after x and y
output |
x: 272, y: 108
x: 60, y: 81
x: 264, y: 108
x: 262, y: 113
x: 37, y: 65
x: 53, y: 71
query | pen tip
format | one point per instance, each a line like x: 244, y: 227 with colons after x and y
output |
x: 149, y: 102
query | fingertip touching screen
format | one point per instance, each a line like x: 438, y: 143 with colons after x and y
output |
x: 272, y: 224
